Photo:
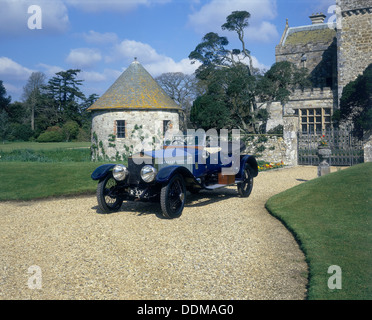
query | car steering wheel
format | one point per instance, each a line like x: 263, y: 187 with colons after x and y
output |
x: 178, y: 142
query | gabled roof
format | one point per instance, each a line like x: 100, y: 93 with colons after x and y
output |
x: 316, y: 33
x: 134, y: 89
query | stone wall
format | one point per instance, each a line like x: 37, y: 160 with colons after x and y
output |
x: 290, y: 130
x: 354, y: 40
x: 353, y: 4
x: 276, y: 148
x: 275, y: 111
x: 269, y: 148
x: 139, y: 124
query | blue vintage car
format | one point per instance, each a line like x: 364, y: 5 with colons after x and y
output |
x: 164, y: 175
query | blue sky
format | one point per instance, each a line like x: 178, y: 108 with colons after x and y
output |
x: 102, y: 37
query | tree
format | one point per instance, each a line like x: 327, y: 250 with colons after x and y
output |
x: 32, y: 93
x: 70, y: 130
x: 4, y: 109
x: 280, y: 80
x: 241, y: 89
x: 210, y: 112
x: 237, y: 21
x: 224, y: 71
x: 4, y: 100
x: 64, y: 93
x: 356, y: 103
x: 182, y: 88
x: 4, y: 125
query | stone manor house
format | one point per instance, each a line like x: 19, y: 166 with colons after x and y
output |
x: 335, y: 53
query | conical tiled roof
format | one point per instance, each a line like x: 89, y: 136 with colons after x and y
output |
x: 134, y: 89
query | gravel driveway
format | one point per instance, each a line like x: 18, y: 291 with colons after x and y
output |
x: 222, y: 247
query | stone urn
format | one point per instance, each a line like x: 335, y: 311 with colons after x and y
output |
x: 324, y: 153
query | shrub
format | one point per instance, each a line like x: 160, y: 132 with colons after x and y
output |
x: 52, y: 134
x: 277, y: 130
x: 70, y: 130
x: 262, y: 139
x: 261, y: 148
x: 83, y: 135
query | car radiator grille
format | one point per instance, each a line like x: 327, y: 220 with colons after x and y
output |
x: 135, y: 171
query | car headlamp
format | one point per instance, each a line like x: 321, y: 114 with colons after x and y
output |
x: 148, y: 173
x: 120, y: 172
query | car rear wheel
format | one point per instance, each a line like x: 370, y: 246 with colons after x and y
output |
x: 173, y: 197
x: 245, y: 187
x: 108, y: 196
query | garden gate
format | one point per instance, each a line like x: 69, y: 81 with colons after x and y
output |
x: 346, y: 149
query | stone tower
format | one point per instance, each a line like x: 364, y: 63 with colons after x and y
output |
x: 312, y: 46
x: 354, y: 37
x: 133, y: 113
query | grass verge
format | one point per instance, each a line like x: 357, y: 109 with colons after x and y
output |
x: 10, y: 146
x: 34, y: 180
x: 331, y: 218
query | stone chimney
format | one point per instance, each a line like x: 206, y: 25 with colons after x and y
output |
x: 317, y: 18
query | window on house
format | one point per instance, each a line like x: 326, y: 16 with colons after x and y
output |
x: 315, y: 120
x: 165, y: 126
x: 120, y: 128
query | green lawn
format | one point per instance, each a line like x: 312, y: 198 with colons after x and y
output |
x: 30, y: 170
x: 32, y: 180
x: 331, y: 217
x: 10, y: 146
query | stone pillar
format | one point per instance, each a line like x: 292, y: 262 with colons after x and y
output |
x: 368, y: 149
x: 290, y: 130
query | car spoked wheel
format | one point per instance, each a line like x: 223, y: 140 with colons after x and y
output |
x: 173, y: 197
x: 245, y: 187
x: 108, y: 195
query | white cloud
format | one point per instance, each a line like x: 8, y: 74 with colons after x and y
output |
x: 83, y: 57
x: 14, y: 17
x: 50, y: 71
x: 265, y: 32
x: 213, y: 15
x: 166, y: 65
x: 94, y: 76
x: 98, y: 38
x: 259, y: 65
x: 130, y: 49
x: 13, y: 70
x: 154, y: 62
x: 13, y: 90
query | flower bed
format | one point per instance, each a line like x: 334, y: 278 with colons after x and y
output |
x: 264, y: 166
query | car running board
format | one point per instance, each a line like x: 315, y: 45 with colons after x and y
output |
x: 219, y: 186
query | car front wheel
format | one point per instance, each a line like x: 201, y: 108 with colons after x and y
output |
x: 245, y: 187
x: 108, y: 195
x: 173, y: 197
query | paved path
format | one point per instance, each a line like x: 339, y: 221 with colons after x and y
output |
x: 222, y: 247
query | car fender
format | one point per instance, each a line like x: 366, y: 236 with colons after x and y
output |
x: 102, y: 171
x: 165, y: 174
x: 252, y: 162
